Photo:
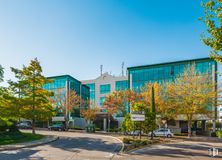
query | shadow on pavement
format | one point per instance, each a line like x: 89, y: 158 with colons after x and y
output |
x: 22, y: 154
x: 177, y: 151
x: 84, y: 143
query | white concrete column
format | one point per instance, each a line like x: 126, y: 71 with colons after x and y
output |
x: 104, y: 124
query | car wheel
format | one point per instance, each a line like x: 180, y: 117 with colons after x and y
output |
x: 169, y: 136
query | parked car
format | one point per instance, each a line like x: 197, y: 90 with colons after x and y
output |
x: 57, y: 127
x: 162, y: 132
x: 24, y: 125
x: 134, y: 133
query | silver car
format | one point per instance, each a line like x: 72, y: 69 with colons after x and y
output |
x: 162, y: 132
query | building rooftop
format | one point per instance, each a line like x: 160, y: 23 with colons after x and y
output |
x: 168, y: 63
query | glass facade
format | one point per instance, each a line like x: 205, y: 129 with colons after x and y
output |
x: 101, y: 101
x: 167, y: 72
x: 92, y: 93
x: 105, y: 88
x: 60, y: 85
x: 121, y: 85
x: 85, y: 92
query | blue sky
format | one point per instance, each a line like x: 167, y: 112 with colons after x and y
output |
x: 76, y: 36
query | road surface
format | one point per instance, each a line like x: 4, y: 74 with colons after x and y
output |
x: 70, y: 146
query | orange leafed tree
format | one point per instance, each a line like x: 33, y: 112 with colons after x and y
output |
x: 66, y: 102
x: 162, y: 102
x: 90, y: 114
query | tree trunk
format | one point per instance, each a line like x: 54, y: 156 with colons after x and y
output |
x: 66, y: 122
x: 189, y: 128
x: 108, y: 123
x: 33, y: 126
x: 152, y: 135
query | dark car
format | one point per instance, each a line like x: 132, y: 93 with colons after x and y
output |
x: 24, y: 125
x: 57, y: 127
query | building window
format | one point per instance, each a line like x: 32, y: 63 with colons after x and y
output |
x: 92, y: 91
x: 102, y: 99
x: 105, y: 88
x: 121, y: 85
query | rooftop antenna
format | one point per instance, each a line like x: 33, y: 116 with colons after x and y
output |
x: 101, y: 69
x: 122, y: 68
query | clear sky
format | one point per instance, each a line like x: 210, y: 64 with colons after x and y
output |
x: 76, y: 36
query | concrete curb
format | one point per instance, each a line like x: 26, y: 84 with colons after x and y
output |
x: 46, y: 140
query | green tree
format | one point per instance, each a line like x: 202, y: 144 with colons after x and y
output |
x: 8, y: 114
x: 149, y: 124
x: 1, y: 73
x: 35, y: 100
x: 152, y: 115
x: 213, y: 21
x: 127, y: 125
x: 17, y: 91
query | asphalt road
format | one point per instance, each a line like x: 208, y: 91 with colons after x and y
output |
x: 70, y: 146
x: 184, y: 150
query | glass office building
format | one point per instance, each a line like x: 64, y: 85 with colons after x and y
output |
x: 61, y: 85
x: 166, y: 72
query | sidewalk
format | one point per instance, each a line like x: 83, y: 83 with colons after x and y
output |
x: 199, y: 138
x: 45, y: 140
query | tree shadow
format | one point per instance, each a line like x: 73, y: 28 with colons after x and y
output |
x: 76, y: 144
x: 177, y: 151
x: 22, y: 154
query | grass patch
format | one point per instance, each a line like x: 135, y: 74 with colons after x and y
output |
x: 18, y: 137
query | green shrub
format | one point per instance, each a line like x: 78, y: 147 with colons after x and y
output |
x: 76, y: 127
x: 127, y: 140
x: 180, y: 134
x: 136, y: 142
x: 98, y: 129
x: 219, y: 134
x: 213, y: 134
x: 7, y: 125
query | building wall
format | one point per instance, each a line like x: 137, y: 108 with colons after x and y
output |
x: 103, y: 85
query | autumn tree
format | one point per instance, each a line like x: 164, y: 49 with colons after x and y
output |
x: 116, y: 101
x: 110, y: 108
x: 213, y: 21
x: 89, y: 114
x: 35, y: 99
x: 158, y: 98
x: 192, y: 93
x: 132, y: 97
x: 65, y: 102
